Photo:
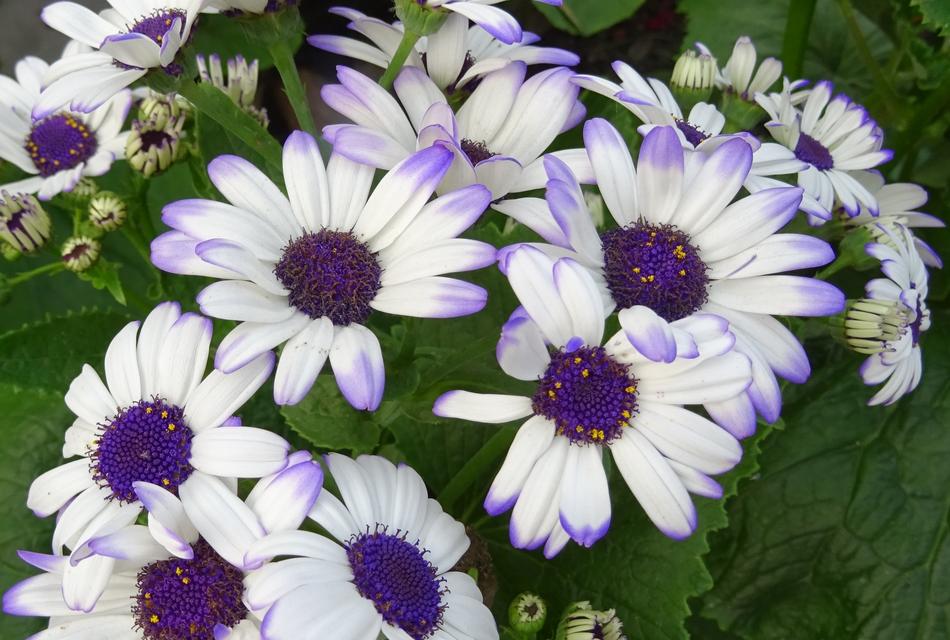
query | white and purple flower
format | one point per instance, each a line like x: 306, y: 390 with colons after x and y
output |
x: 500, y: 24
x: 311, y: 269
x: 389, y: 569
x: 624, y: 396
x: 740, y: 76
x: 684, y: 244
x: 61, y: 148
x: 454, y: 57
x: 496, y: 136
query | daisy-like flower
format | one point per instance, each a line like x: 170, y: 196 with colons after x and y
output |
x: 455, y: 56
x: 192, y: 593
x: 388, y: 570
x: 888, y: 324
x: 497, y: 135
x: 624, y: 396
x: 309, y: 271
x: 157, y: 420
x: 250, y: 6
x: 834, y: 137
x: 500, y: 24
x: 739, y: 76
x: 63, y: 147
x: 896, y: 206
x: 128, y: 40
x: 683, y: 245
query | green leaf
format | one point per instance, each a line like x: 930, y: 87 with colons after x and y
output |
x: 586, y: 18
x: 936, y: 13
x: 105, y: 275
x: 326, y: 420
x: 50, y: 353
x: 31, y: 434
x: 844, y: 534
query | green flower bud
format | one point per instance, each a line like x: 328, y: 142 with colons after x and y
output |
x: 527, y: 613
x: 79, y: 253
x: 24, y: 224
x: 581, y: 622
x: 151, y: 149
x: 694, y: 78
x: 107, y: 211
x: 419, y: 18
x: 85, y: 189
x: 160, y: 110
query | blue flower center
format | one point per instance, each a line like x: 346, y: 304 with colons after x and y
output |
x: 813, y: 152
x: 331, y: 274
x: 146, y: 442
x: 589, y: 396
x: 396, y: 577
x: 654, y: 266
x: 59, y: 143
x: 156, y: 25
x: 185, y: 599
x: 694, y: 135
x: 476, y: 151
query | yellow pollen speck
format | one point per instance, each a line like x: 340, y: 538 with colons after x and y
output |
x: 153, y: 619
x: 585, y: 373
x: 577, y: 360
x: 579, y: 429
x: 651, y: 278
x: 178, y: 571
x: 551, y: 394
x: 166, y: 481
x: 558, y: 385
x: 171, y: 426
x: 148, y: 595
x: 630, y: 389
x: 679, y: 253
x: 164, y: 414
x: 185, y: 580
x: 148, y: 409
x: 625, y: 413
x: 682, y: 272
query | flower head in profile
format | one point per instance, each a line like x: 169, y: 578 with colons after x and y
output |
x: 496, y: 135
x: 834, y: 137
x: 740, y: 76
x: 684, y: 243
x: 309, y: 270
x: 127, y: 41
x: 133, y: 586
x: 499, y: 23
x: 24, y: 224
x: 156, y: 425
x: 624, y: 396
x: 386, y: 566
x: 454, y: 57
x: 889, y: 323
x: 63, y: 147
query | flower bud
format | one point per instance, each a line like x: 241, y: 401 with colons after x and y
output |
x: 151, y: 149
x: 79, y: 253
x: 581, y: 622
x: 419, y: 17
x: 240, y: 84
x: 160, y: 110
x: 870, y: 325
x: 85, y: 189
x: 527, y: 613
x: 694, y: 78
x: 107, y: 211
x: 24, y: 224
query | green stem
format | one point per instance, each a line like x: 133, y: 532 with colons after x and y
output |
x: 572, y: 18
x: 293, y: 85
x: 51, y: 268
x: 476, y: 466
x: 925, y: 114
x: 881, y: 80
x: 797, y: 26
x: 408, y: 43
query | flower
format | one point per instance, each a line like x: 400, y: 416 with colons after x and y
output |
x: 61, y: 147
x: 527, y: 613
x: 833, y: 137
x: 498, y: 23
x: 144, y: 590
x: 737, y: 75
x: 387, y: 251
x: 694, y: 74
x: 155, y: 424
x: 154, y: 144
x: 107, y: 211
x: 24, y: 224
x: 79, y: 253
x: 891, y: 321
x: 896, y: 206
x: 454, y: 57
x: 680, y: 247
x: 581, y: 622
x: 388, y: 569
x: 241, y: 83
x: 250, y: 6
x: 152, y: 35
x: 496, y: 135
x: 594, y: 397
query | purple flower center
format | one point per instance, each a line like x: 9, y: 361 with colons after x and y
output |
x: 813, y: 152
x: 588, y: 395
x: 476, y: 151
x: 654, y: 266
x: 397, y: 578
x: 185, y: 599
x: 156, y: 25
x: 694, y: 135
x: 59, y: 143
x: 915, y: 326
x: 146, y: 442
x: 332, y: 274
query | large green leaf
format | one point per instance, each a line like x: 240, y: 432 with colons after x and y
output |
x: 31, y: 440
x: 586, y: 18
x: 936, y: 13
x: 844, y: 535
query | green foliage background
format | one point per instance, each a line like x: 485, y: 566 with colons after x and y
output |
x: 835, y: 525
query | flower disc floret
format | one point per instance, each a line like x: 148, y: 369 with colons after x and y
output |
x: 396, y: 577
x: 589, y: 396
x: 330, y: 274
x: 185, y: 599
x: 813, y: 152
x: 59, y: 143
x: 145, y: 442
x: 655, y: 266
x: 157, y: 24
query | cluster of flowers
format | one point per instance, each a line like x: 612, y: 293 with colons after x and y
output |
x: 692, y: 264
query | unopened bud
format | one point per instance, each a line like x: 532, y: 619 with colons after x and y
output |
x: 420, y: 18
x: 694, y: 78
x: 160, y: 110
x: 581, y: 622
x: 240, y: 84
x: 24, y: 224
x: 79, y: 253
x: 107, y: 211
x: 869, y: 325
x: 527, y: 613
x: 85, y: 189
x: 151, y: 149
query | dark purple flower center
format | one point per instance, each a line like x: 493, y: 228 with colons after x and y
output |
x: 396, y: 577
x: 332, y: 274
x: 915, y: 326
x: 185, y: 599
x: 156, y: 25
x: 813, y: 152
x: 59, y: 143
x: 146, y: 442
x: 476, y: 151
x: 694, y: 135
x: 654, y: 266
x: 588, y: 395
